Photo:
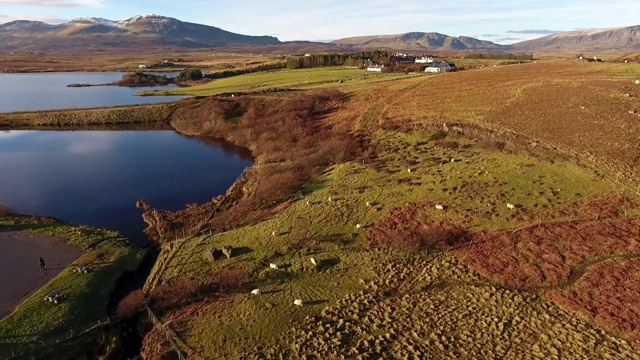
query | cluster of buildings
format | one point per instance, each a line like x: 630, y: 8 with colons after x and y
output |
x: 433, y: 66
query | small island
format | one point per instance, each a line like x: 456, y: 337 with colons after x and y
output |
x: 135, y: 79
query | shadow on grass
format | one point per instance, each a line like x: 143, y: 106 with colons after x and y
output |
x: 337, y: 239
x: 316, y: 302
x: 242, y: 250
x: 327, y: 264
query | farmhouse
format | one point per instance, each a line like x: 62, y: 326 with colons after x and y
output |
x: 377, y: 68
x: 441, y: 67
x: 595, y: 59
x: 424, y: 60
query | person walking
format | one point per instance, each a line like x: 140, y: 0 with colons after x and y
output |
x: 41, y: 264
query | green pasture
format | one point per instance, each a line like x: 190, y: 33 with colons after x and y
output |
x: 37, y: 323
x: 473, y: 184
x: 283, y: 79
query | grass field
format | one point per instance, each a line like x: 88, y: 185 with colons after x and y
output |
x: 37, y: 323
x: 283, y: 79
x: 474, y: 187
x: 554, y: 276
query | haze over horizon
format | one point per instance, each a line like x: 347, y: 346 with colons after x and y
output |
x: 325, y: 20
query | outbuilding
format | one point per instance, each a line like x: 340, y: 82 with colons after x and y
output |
x: 441, y: 67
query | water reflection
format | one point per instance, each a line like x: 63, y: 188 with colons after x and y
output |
x: 48, y: 91
x: 95, y: 177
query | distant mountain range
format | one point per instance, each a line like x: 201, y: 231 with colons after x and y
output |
x: 153, y: 33
x: 430, y: 41
x: 622, y: 39
x: 96, y: 34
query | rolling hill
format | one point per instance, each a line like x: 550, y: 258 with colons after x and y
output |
x: 622, y: 39
x: 430, y: 41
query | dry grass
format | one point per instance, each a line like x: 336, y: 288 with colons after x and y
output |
x: 434, y: 307
x: 608, y: 293
x: 432, y: 304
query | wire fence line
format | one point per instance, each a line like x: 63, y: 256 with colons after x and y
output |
x: 39, y: 345
x: 167, y: 334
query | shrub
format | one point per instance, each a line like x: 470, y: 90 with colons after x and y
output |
x: 409, y: 228
x: 130, y: 305
x: 445, y: 144
x: 175, y: 293
x: 491, y: 145
x: 6, y: 211
x: 230, y: 278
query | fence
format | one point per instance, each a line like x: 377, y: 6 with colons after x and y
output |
x: 169, y: 337
x: 39, y: 345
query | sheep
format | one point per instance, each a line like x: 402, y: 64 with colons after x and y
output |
x: 439, y: 207
x: 255, y: 292
x: 227, y: 251
x: 409, y: 170
x: 331, y: 198
x: 308, y: 202
x: 276, y: 233
x: 510, y: 206
x: 273, y: 266
x: 358, y: 226
x: 297, y: 302
x: 368, y: 203
x: 637, y: 82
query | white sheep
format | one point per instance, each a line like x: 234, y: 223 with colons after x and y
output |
x: 308, y: 202
x: 255, y: 292
x: 439, y: 207
x: 368, y: 203
x: 331, y: 198
x: 276, y: 233
x: 637, y: 82
x: 359, y: 226
x: 273, y: 266
x: 297, y: 302
x: 409, y: 170
x: 314, y: 262
x: 510, y: 206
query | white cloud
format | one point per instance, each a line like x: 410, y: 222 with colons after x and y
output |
x: 92, y: 143
x: 54, y: 3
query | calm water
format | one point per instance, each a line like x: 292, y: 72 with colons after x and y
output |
x: 96, y: 177
x: 49, y: 91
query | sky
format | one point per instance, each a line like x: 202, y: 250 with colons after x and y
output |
x: 503, y: 22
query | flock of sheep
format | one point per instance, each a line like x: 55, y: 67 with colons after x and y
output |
x: 297, y: 302
x: 227, y: 250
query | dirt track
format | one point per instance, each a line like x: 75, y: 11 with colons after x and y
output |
x: 20, y: 276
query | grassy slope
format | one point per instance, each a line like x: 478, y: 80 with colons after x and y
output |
x: 299, y: 79
x: 86, y: 296
x: 474, y: 189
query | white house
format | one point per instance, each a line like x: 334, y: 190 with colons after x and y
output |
x: 440, y: 67
x: 377, y: 68
x: 424, y: 60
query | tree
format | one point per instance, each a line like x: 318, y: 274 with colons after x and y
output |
x: 189, y: 75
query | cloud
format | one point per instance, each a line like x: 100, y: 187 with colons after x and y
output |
x: 46, y: 19
x: 54, y: 3
x: 92, y: 143
x: 489, y: 35
x: 505, y: 39
x: 534, y: 32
